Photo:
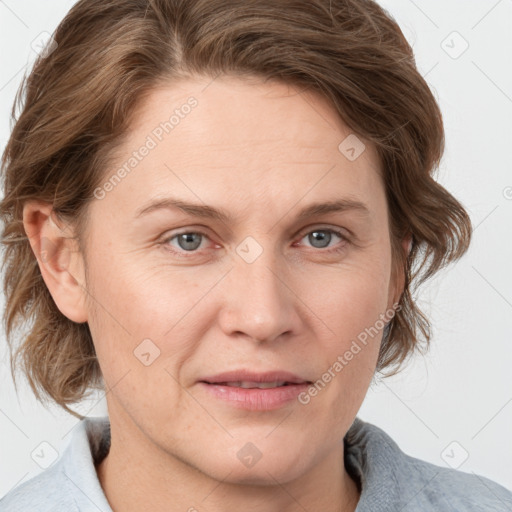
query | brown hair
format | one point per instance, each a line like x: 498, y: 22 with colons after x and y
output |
x: 79, y: 99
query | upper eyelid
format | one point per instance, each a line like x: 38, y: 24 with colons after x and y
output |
x: 308, y: 230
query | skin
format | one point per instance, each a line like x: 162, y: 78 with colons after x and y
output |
x: 262, y: 152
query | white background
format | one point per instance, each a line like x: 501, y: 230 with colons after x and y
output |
x: 462, y: 390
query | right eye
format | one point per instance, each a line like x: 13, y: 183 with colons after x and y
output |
x: 186, y: 241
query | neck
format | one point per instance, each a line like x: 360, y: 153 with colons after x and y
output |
x: 137, y: 475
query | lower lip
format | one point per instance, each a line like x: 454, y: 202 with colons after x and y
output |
x: 255, y: 399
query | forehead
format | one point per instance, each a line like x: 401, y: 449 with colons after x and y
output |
x: 230, y: 111
x: 234, y: 138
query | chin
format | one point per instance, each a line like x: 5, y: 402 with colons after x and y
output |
x: 262, y: 476
x: 247, y: 466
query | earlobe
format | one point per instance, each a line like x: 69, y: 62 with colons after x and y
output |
x: 60, y: 264
x: 406, y: 245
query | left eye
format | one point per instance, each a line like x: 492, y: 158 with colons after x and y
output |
x: 320, y: 238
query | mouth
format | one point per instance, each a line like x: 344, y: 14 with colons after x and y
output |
x: 247, y: 379
x: 246, y: 384
x: 255, y: 391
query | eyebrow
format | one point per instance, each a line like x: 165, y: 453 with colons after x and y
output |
x: 209, y: 212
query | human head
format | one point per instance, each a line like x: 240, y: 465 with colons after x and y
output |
x: 80, y: 100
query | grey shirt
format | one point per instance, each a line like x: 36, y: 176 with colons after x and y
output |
x: 389, y: 479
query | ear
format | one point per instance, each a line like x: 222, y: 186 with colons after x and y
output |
x: 60, y: 263
x: 397, y: 290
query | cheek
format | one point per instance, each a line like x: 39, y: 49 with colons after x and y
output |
x: 354, y: 311
x: 350, y: 303
x: 144, y: 299
x: 145, y: 315
x: 348, y: 299
x: 141, y: 345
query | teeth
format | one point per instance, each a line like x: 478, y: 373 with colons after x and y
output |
x: 246, y: 384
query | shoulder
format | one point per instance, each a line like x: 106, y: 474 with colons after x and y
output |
x: 71, y: 483
x: 450, y: 489
x: 390, y: 476
x: 46, y: 492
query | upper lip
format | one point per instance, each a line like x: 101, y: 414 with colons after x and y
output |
x: 247, y: 375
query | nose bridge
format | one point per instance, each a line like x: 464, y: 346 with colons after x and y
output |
x: 259, y: 304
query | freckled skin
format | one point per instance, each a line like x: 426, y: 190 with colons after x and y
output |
x: 262, y: 152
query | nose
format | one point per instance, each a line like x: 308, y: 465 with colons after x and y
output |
x: 259, y: 302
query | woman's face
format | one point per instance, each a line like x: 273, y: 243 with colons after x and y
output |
x: 268, y: 286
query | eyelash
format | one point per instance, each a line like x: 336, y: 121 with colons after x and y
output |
x: 183, y: 253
